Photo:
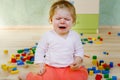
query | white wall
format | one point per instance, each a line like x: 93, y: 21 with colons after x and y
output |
x: 87, y: 6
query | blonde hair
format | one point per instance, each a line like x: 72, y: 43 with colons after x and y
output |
x: 62, y: 4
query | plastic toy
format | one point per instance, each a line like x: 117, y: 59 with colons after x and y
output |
x: 5, y: 51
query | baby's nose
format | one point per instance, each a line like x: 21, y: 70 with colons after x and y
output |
x: 62, y: 21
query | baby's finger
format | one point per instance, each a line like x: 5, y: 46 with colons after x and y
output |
x: 75, y: 67
x: 41, y: 72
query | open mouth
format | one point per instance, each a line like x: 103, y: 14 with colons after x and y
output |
x: 62, y: 27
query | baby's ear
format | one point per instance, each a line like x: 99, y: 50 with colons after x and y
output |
x: 50, y: 21
x: 73, y: 24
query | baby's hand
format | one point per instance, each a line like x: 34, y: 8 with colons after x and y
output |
x: 42, y: 69
x: 76, y: 64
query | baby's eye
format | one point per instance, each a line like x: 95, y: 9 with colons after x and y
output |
x: 58, y: 18
x: 67, y: 19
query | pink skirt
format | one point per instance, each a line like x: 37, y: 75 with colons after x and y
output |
x: 53, y: 73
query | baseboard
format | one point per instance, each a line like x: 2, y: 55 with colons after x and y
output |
x: 25, y: 27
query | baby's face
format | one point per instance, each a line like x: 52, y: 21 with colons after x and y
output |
x: 62, y: 21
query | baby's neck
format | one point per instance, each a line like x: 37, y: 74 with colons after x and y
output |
x: 63, y: 35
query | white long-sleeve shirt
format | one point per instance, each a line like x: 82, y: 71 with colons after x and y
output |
x: 58, y: 51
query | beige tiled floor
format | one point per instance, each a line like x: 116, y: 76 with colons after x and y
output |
x: 13, y: 40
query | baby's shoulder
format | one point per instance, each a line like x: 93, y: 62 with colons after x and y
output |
x: 47, y: 33
x: 74, y: 33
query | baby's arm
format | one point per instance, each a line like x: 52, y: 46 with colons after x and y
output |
x: 40, y: 54
x: 78, y: 54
